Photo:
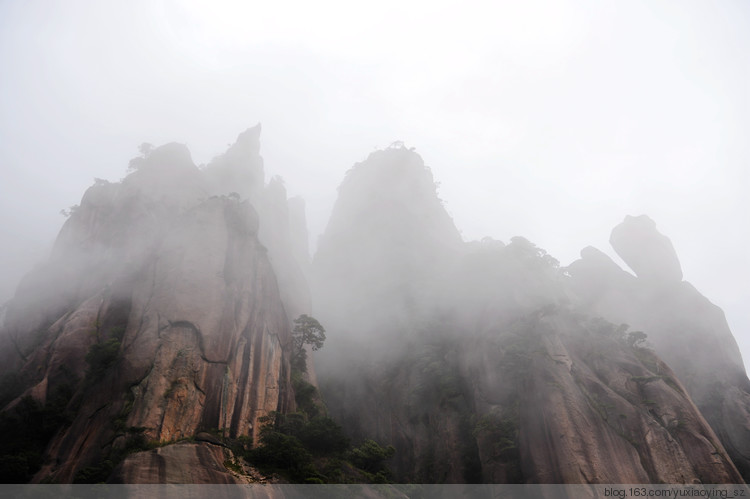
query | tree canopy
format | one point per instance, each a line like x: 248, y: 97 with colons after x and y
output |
x: 307, y: 331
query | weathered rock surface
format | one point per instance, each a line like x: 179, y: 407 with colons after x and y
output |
x: 684, y: 328
x: 549, y: 397
x: 602, y: 400
x: 179, y: 463
x: 240, y: 172
x: 160, y: 310
x: 648, y: 252
x: 469, y: 359
x: 165, y: 313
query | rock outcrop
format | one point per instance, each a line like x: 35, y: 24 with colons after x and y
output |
x: 472, y: 361
x: 649, y: 253
x: 186, y: 462
x: 159, y: 316
x: 602, y: 399
x: 386, y: 246
x: 240, y: 168
x: 684, y: 328
x: 240, y: 172
x: 161, y: 326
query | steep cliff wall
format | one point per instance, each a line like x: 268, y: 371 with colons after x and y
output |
x: 158, y: 316
x: 385, y: 248
x: 166, y: 307
x: 688, y: 331
x: 473, y: 362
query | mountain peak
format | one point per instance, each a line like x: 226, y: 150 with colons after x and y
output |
x: 240, y: 168
x: 648, y: 252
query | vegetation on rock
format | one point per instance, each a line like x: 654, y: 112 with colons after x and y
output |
x: 307, y: 331
x: 307, y: 446
x: 26, y: 430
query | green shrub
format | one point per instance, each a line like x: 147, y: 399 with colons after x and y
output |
x: 371, y: 457
x: 26, y: 430
x: 117, y: 332
x: 315, y: 450
x: 101, y: 356
x: 94, y: 474
x: 11, y: 386
x: 284, y: 452
x: 307, y: 331
x: 322, y: 435
x: 305, y: 395
x: 233, y: 466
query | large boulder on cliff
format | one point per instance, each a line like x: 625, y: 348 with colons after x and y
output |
x: 647, y: 251
x: 684, y: 328
x: 477, y: 343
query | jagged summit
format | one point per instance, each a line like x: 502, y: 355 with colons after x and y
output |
x: 688, y: 331
x: 160, y: 310
x: 164, y: 319
x: 389, y: 203
x: 247, y: 143
x: 388, y: 236
x: 481, y: 345
x: 240, y: 168
x: 648, y: 252
x: 173, y: 153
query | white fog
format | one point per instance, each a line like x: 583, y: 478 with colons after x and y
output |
x: 552, y: 121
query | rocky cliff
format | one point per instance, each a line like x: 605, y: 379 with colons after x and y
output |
x: 158, y: 316
x: 161, y: 326
x: 474, y: 362
x: 688, y: 331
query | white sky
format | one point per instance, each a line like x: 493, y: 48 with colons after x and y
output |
x: 551, y: 120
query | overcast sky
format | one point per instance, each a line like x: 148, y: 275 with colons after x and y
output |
x: 548, y: 120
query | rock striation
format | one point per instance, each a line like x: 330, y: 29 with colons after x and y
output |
x: 186, y: 462
x: 162, y: 325
x: 475, y: 360
x: 684, y: 328
x: 159, y: 316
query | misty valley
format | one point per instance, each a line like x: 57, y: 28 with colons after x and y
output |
x: 182, y: 332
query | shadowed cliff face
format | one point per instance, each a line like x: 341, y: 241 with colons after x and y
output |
x: 159, y: 316
x: 688, y: 331
x: 473, y: 362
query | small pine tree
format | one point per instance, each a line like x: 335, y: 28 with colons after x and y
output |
x: 307, y: 331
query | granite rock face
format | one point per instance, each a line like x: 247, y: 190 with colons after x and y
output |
x: 159, y: 311
x: 648, y: 252
x: 198, y: 463
x: 684, y: 328
x: 480, y: 345
x: 601, y: 399
x: 240, y: 172
x: 163, y: 320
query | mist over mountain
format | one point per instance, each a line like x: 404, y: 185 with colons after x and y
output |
x: 163, y: 343
x: 507, y: 357
x: 688, y: 331
x: 159, y: 310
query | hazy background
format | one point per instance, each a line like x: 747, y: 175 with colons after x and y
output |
x: 547, y: 120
